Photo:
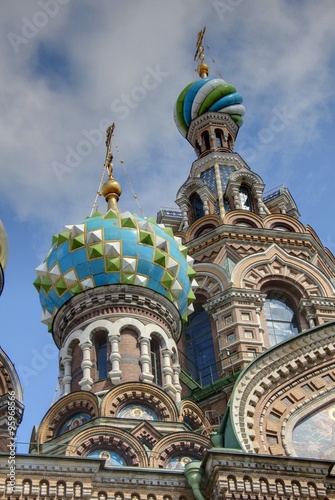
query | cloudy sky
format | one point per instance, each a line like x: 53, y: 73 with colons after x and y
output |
x: 70, y: 67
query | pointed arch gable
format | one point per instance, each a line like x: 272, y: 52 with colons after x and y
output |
x: 190, y: 187
x: 211, y: 277
x: 246, y: 177
x: 254, y: 270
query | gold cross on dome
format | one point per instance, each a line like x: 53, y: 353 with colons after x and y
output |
x: 199, y: 53
x: 109, y: 154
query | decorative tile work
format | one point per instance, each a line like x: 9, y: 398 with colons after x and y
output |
x: 114, y: 249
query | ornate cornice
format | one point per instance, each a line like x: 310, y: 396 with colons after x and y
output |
x: 116, y: 300
x: 211, y: 118
x: 219, y: 157
x: 240, y: 294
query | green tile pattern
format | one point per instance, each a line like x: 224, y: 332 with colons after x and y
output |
x: 115, y: 249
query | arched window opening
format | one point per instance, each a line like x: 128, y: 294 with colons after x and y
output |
x: 205, y: 140
x: 244, y: 223
x: 282, y: 227
x: 61, y: 487
x: 296, y: 489
x: 156, y: 361
x: 100, y: 342
x: 200, y: 348
x: 280, y: 317
x: 218, y: 138
x: 197, y: 206
x: 44, y: 488
x: 245, y: 198
x: 26, y: 487
x: 78, y: 490
x: 204, y: 230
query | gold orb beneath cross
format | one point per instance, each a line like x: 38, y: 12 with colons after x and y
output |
x: 111, y: 186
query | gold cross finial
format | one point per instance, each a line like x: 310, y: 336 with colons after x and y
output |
x: 109, y: 154
x: 202, y: 69
x: 199, y: 53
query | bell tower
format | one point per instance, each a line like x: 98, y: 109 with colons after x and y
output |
x: 262, y: 274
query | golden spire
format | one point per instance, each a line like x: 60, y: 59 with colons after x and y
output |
x: 111, y: 189
x: 202, y: 69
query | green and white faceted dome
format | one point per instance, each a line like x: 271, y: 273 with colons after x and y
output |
x: 115, y: 249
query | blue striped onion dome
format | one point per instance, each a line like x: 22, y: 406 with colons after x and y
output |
x: 115, y: 249
x: 207, y: 94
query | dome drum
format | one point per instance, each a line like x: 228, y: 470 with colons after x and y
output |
x: 113, y: 302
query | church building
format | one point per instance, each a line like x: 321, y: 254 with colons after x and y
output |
x: 196, y: 352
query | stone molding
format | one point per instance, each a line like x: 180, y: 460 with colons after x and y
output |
x: 116, y: 300
x: 270, y: 378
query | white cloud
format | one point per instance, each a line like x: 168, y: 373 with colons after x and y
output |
x: 279, y: 55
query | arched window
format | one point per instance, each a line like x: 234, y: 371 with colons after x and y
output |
x: 156, y: 361
x: 61, y: 487
x: 44, y: 488
x: 205, y: 139
x: 245, y: 198
x: 78, y: 490
x: 26, y: 487
x: 218, y: 138
x: 197, y: 206
x: 199, y: 348
x: 280, y: 317
x: 101, y: 354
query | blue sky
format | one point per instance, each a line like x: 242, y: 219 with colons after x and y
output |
x: 70, y: 67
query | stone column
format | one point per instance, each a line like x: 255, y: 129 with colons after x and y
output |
x: 86, y: 365
x: 67, y: 379
x: 176, y: 382
x: 236, y: 196
x: 167, y: 373
x: 146, y: 375
x: 184, y: 210
x: 61, y: 380
x: 115, y: 374
x: 308, y: 310
x: 219, y: 189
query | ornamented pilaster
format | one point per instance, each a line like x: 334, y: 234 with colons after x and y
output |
x: 146, y: 375
x: 168, y: 373
x: 86, y: 365
x: 308, y: 310
x: 67, y: 379
x: 115, y: 374
x: 176, y: 381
